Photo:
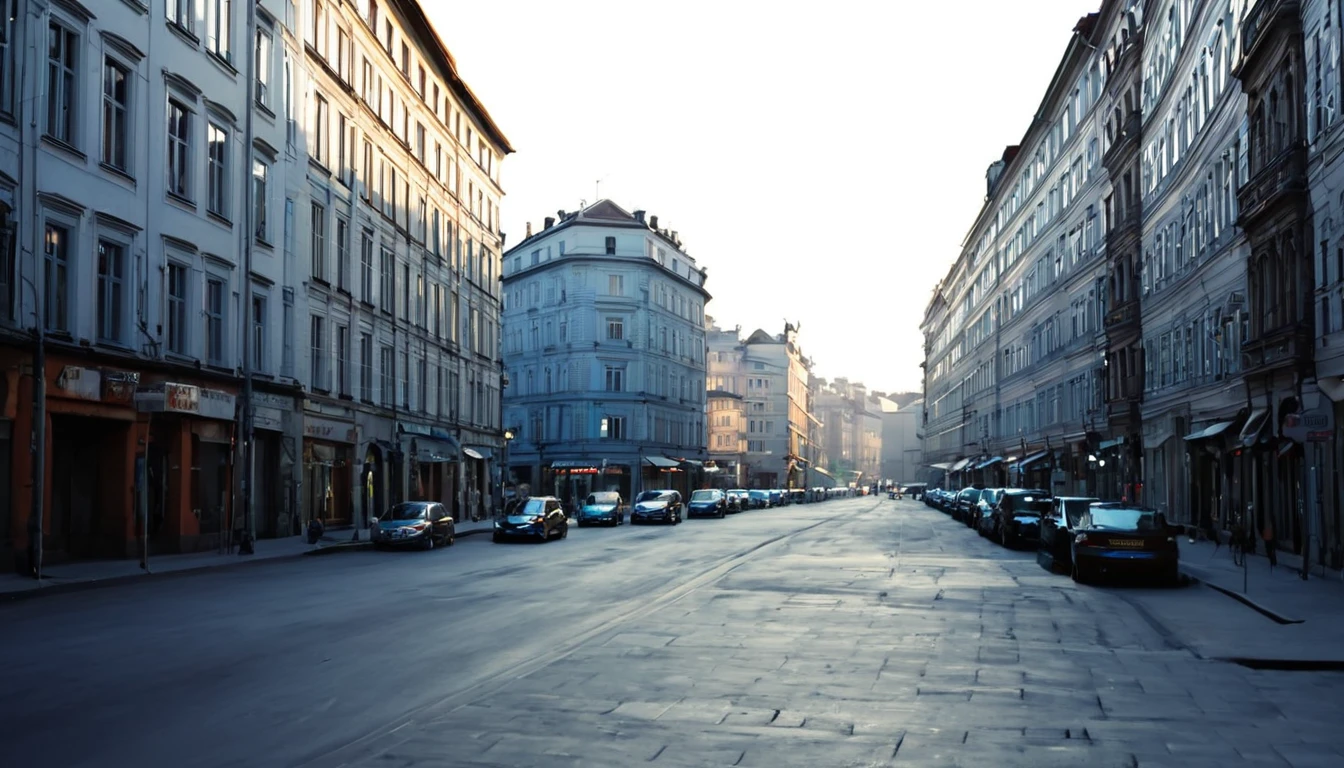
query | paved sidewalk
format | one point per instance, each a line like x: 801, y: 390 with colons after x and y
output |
x: 96, y: 573
x: 1283, y: 617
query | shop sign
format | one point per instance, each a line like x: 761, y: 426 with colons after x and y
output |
x: 119, y: 386
x: 1314, y: 426
x: 414, y: 429
x: 170, y: 397
x: 80, y: 383
x: 214, y: 404
x: 268, y: 411
x: 329, y: 429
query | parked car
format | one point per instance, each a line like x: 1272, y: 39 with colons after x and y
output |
x: 1058, y: 528
x: 662, y: 506
x: 777, y: 497
x: 1017, y: 516
x: 759, y: 499
x: 413, y: 523
x: 541, y: 518
x: 738, y: 500
x: 1117, y: 539
x: 967, y: 498
x: 708, y: 502
x: 602, y: 508
x: 988, y: 498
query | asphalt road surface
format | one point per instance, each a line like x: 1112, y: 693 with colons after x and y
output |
x: 858, y: 632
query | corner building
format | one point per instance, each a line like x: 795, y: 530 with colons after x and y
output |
x: 604, y: 344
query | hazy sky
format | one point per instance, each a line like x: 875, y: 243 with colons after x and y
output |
x: 823, y: 160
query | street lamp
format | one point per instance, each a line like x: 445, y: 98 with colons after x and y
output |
x: 509, y: 434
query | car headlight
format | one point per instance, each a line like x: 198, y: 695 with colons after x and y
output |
x: 498, y: 524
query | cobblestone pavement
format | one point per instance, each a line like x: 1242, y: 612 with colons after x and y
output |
x: 851, y: 633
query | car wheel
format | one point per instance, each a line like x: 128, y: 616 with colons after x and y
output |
x: 564, y: 531
x: 496, y: 538
x: 429, y: 541
x: 1078, y: 574
x: 451, y: 539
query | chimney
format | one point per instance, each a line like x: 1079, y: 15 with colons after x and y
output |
x: 674, y: 238
x: 550, y: 222
x: 653, y: 223
x: 560, y: 214
x: 529, y: 229
x: 639, y: 216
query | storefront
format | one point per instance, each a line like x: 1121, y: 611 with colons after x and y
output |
x: 574, y: 479
x: 189, y: 465
x: 432, y: 459
x: 274, y: 456
x: 476, y: 487
x: 328, y: 469
x: 660, y: 472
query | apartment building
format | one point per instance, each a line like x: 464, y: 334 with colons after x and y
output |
x: 391, y: 220
x: 726, y: 382
x: 851, y: 432
x: 604, y: 343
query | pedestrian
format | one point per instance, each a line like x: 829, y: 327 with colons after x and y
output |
x: 475, y: 503
x: 1271, y: 547
x: 1212, y: 532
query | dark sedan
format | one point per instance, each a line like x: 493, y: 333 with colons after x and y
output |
x: 662, y: 506
x: 540, y: 518
x: 414, y: 523
x: 602, y: 508
x: 967, y: 498
x: 707, y: 503
x: 1058, y: 527
x: 738, y: 500
x: 1115, y: 539
x: 988, y: 498
x: 1017, y: 516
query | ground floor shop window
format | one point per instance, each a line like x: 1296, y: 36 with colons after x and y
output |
x: 327, y: 483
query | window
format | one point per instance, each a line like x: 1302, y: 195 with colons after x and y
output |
x: 611, y: 245
x: 420, y: 142
x: 344, y: 59
x: 259, y: 224
x: 263, y: 65
x: 615, y: 285
x: 56, y: 278
x: 406, y: 291
x: 367, y: 181
x: 343, y: 359
x: 318, y: 32
x: 179, y: 150
x: 342, y: 156
x: 182, y: 13
x: 7, y: 14
x: 615, y: 328
x: 342, y: 253
x: 422, y: 385
x: 287, y: 335
x: 386, y: 277
x: 218, y: 22
x: 116, y: 105
x: 217, y: 149
x: 111, y: 274
x: 612, y: 428
x: 258, y: 333
x: 615, y: 379
x: 214, y: 321
x: 320, y: 140
x: 366, y: 266
x: 319, y: 244
x: 404, y: 368
x: 177, y: 309
x: 366, y: 366
x: 318, y: 346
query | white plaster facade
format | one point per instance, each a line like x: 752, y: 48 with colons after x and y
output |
x: 604, y: 343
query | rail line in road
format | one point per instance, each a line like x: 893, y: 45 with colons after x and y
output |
x: 386, y: 736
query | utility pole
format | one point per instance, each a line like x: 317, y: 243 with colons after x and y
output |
x: 249, y: 235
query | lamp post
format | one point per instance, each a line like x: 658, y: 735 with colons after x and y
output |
x: 509, y: 434
x: 37, y: 515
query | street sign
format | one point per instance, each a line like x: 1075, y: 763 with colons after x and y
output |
x: 1315, y: 426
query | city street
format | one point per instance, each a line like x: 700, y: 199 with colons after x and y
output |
x: 858, y: 632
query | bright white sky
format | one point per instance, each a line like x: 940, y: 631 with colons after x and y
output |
x: 823, y: 160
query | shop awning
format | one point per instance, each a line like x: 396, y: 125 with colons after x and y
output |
x: 1255, y: 427
x: 691, y: 462
x: 960, y: 465
x: 660, y: 462
x: 1031, y: 459
x: 429, y: 450
x: 573, y: 464
x: 1213, y: 430
x: 821, y: 471
x: 944, y: 466
x: 1110, y: 443
x: 474, y: 453
x: 989, y: 462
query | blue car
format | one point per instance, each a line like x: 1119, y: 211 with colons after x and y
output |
x: 413, y: 524
x: 603, y: 508
x: 1116, y: 539
x: 662, y: 506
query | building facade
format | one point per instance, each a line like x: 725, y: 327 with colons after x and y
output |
x: 391, y: 217
x: 851, y: 433
x: 604, y: 343
x: 726, y: 382
x: 1219, y: 287
x: 902, y: 450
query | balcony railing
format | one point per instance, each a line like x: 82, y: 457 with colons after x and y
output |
x: 1261, y: 18
x: 1284, y: 174
x: 1284, y: 347
x: 1123, y: 318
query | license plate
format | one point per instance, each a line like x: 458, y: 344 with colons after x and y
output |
x: 1127, y: 543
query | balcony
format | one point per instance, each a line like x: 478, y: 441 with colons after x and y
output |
x: 1285, y: 347
x: 1124, y: 233
x: 1284, y: 177
x: 1123, y: 318
x: 1123, y: 414
x: 1126, y: 144
x: 1260, y: 21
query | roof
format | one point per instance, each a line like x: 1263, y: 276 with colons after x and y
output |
x: 722, y: 393
x: 603, y: 213
x: 759, y: 336
x: 415, y: 14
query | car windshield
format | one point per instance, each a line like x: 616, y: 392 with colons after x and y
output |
x: 652, y: 496
x: 704, y: 495
x: 1076, y: 508
x: 606, y: 497
x: 990, y: 497
x: 531, y: 508
x: 1124, y: 519
x: 971, y: 494
x: 407, y: 512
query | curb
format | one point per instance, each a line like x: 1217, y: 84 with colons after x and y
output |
x: 1267, y: 612
x: 367, y: 544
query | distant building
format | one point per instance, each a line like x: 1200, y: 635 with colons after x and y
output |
x: 604, y: 345
x: 851, y: 445
x: 727, y: 405
x: 902, y: 450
